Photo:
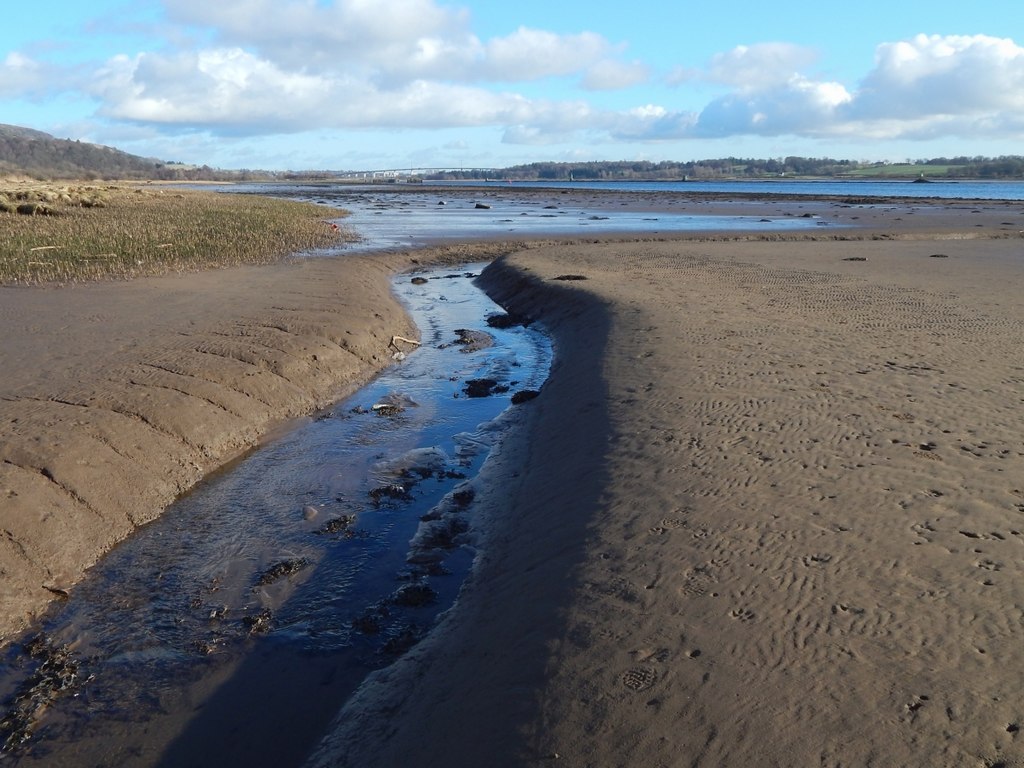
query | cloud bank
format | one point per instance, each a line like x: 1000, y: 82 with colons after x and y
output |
x: 253, y: 67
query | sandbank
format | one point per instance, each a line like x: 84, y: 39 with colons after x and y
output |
x: 766, y: 512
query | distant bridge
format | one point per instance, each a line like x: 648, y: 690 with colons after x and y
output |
x: 398, y: 173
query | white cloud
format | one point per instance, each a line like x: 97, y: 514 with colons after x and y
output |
x: 798, y: 106
x: 923, y: 88
x: 21, y: 76
x: 255, y: 67
x: 295, y: 65
x: 391, y: 41
x: 230, y: 90
x: 951, y: 76
x: 296, y: 31
x: 531, y: 54
x: 219, y: 87
x: 754, y: 67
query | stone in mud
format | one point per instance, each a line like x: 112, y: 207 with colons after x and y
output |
x: 279, y: 570
x: 483, y: 388
x: 341, y: 524
x: 57, y: 674
x: 207, y: 647
x: 259, y: 623
x: 523, y: 396
x: 392, y: 404
x: 394, y: 491
x: 509, y: 320
x: 470, y: 340
x: 371, y: 622
x: 482, y: 206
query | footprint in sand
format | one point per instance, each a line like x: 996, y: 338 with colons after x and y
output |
x: 742, y: 614
x: 667, y: 524
x: 818, y: 559
x: 639, y: 678
x: 989, y: 565
x: 698, y: 580
x: 915, y: 706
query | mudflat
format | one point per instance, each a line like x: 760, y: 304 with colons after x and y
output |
x: 765, y: 511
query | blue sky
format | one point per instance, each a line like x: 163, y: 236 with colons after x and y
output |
x: 372, y: 84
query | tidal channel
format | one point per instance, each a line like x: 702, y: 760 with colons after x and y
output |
x: 230, y: 631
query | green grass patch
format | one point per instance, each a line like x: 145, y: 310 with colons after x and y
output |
x: 903, y: 170
x: 68, y: 234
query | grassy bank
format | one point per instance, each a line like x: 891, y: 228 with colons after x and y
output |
x: 51, y: 233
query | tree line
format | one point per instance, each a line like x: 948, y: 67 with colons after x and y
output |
x: 1008, y: 167
x: 33, y: 153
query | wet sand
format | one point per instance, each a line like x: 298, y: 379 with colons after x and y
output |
x: 764, y: 512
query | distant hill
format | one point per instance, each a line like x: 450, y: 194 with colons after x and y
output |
x: 27, y: 152
x: 17, y: 132
x: 33, y: 153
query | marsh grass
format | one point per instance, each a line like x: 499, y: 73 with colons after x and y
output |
x: 120, y: 231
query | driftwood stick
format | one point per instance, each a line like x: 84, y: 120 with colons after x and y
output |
x: 402, y: 338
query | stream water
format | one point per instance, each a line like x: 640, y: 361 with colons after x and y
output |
x: 232, y: 629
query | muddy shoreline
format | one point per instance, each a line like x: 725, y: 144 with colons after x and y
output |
x: 118, y: 397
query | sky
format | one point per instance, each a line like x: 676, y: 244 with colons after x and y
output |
x: 387, y: 84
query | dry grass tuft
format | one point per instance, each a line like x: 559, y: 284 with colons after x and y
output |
x: 51, y: 233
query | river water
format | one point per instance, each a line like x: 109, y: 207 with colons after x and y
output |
x: 964, y: 189
x: 231, y: 630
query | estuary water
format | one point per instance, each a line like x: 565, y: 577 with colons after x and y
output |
x: 968, y: 190
x: 402, y: 216
x: 231, y: 630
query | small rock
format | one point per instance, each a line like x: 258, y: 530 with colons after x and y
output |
x: 260, y: 623
x: 523, y: 396
x: 483, y: 388
x: 280, y: 570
